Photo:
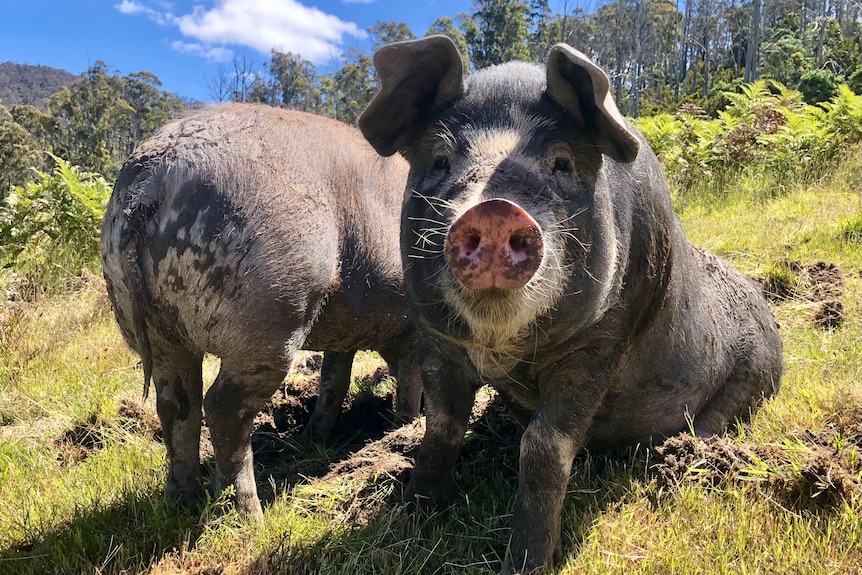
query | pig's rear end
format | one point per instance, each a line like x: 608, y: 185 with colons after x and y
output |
x: 235, y: 232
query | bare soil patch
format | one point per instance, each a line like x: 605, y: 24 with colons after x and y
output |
x: 80, y: 442
x: 808, y: 471
x: 819, y: 288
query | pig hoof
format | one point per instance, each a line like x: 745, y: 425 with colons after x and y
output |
x: 316, y: 432
x: 425, y: 500
x: 187, y: 497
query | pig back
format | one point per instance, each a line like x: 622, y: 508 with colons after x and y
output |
x: 245, y: 214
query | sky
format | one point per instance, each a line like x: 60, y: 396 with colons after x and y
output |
x: 185, y: 42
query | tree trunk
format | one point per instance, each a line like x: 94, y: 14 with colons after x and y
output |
x: 752, y: 55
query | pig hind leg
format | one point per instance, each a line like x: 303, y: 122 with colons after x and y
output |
x: 733, y: 401
x: 231, y: 404
x: 334, y: 383
x: 178, y: 382
x: 403, y: 364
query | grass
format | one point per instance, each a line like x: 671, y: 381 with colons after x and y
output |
x: 82, y: 468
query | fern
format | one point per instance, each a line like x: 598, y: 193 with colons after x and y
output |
x: 49, y: 229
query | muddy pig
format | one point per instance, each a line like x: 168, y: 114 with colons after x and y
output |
x: 251, y: 232
x: 542, y: 256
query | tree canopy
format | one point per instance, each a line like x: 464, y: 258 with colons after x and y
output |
x: 659, y: 55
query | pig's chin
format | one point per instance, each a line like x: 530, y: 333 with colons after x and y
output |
x: 497, y: 317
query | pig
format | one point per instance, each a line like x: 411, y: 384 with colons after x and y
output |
x: 251, y: 232
x: 542, y: 256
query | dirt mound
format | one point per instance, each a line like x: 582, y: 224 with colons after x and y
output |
x: 80, y: 442
x: 494, y: 436
x: 389, y: 456
x: 818, y: 286
x: 138, y: 420
x: 283, y: 455
x: 808, y: 471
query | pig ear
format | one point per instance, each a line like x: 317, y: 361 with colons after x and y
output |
x: 417, y: 78
x: 583, y: 90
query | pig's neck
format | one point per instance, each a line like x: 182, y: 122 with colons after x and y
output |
x: 493, y: 362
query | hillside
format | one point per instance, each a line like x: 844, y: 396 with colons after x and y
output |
x: 29, y: 84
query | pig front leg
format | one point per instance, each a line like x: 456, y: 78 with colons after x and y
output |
x: 555, y: 434
x: 448, y: 403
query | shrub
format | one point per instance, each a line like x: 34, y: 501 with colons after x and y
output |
x: 767, y: 133
x: 854, y: 81
x: 49, y: 229
x: 818, y: 86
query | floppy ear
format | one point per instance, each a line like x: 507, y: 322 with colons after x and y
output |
x: 583, y: 91
x: 417, y: 78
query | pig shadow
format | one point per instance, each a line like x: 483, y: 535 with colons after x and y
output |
x: 139, y: 530
x: 485, y: 484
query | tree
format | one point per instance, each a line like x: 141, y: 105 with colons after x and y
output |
x: 88, y: 113
x: 234, y: 84
x: 296, y: 82
x: 614, y: 42
x: 355, y: 86
x: 818, y: 86
x: 149, y: 107
x: 384, y: 33
x: 44, y: 132
x: 17, y: 154
x: 446, y: 26
x: 497, y: 32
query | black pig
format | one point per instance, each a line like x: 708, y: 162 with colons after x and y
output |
x: 542, y: 256
x: 251, y: 232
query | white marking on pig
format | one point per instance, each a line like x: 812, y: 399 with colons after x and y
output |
x: 500, y: 322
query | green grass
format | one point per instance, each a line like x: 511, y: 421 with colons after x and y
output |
x: 81, y: 478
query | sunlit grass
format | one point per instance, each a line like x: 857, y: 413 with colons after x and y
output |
x: 81, y: 481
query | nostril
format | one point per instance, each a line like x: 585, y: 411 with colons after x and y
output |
x: 518, y: 243
x: 473, y: 241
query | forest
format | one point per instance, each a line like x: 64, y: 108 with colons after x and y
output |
x: 660, y: 55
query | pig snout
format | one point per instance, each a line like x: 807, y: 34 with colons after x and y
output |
x: 494, y: 244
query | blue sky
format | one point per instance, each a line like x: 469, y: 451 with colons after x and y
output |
x: 184, y: 42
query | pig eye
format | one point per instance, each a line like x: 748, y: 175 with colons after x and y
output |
x: 562, y: 165
x: 441, y: 163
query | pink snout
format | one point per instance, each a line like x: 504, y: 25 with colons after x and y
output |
x: 494, y: 244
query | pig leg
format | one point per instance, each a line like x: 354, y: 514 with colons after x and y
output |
x: 179, y: 385
x: 408, y: 397
x: 334, y: 383
x: 734, y: 400
x: 408, y: 391
x: 448, y: 403
x: 555, y: 434
x: 237, y: 395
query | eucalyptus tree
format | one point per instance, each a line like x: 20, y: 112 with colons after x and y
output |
x: 383, y: 33
x: 446, y: 26
x: 497, y: 32
x: 89, y: 113
x: 17, y: 153
x: 149, y: 108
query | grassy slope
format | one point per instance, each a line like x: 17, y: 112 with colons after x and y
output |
x: 81, y: 472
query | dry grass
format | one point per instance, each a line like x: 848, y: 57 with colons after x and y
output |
x: 82, y: 466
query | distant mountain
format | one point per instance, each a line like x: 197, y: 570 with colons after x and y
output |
x: 27, y: 84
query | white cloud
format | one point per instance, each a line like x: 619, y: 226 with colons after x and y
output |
x: 130, y: 7
x: 284, y: 25
x: 209, y: 52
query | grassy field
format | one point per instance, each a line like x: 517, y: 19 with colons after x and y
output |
x: 82, y: 466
